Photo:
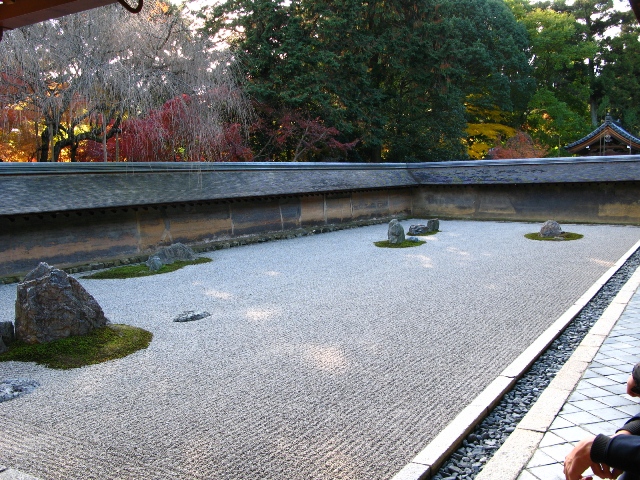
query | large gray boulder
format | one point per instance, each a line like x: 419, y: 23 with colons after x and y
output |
x: 550, y: 228
x: 395, y: 232
x: 170, y: 254
x: 52, y: 305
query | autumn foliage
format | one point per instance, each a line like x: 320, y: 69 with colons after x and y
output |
x: 175, y: 132
x: 521, y: 145
x: 290, y: 135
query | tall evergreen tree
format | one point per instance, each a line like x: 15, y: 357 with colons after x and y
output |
x: 596, y: 18
x: 393, y: 75
x: 558, y: 112
x: 620, y: 78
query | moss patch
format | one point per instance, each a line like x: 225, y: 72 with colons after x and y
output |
x: 101, y: 345
x: 563, y: 236
x: 141, y: 270
x: 405, y: 244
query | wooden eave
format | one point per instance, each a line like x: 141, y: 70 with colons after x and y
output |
x: 20, y: 13
x: 595, y: 138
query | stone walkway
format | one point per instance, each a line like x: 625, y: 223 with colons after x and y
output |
x: 599, y: 404
x: 595, y: 393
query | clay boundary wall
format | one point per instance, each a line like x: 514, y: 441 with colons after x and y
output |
x: 84, y: 216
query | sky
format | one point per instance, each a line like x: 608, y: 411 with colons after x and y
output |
x: 619, y: 4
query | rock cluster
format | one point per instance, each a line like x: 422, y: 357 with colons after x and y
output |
x: 551, y: 228
x: 432, y: 226
x: 170, y: 254
x: 395, y: 232
x: 52, y: 305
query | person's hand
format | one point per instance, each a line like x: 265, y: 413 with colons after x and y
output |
x: 579, y: 459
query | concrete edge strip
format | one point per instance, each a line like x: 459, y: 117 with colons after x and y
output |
x: 426, y: 463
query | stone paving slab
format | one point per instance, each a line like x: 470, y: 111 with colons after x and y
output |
x: 11, y: 474
x: 595, y: 400
x: 324, y: 357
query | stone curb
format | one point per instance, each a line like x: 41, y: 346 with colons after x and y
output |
x: 524, y: 441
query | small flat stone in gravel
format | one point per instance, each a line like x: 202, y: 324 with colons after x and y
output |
x: 191, y: 316
x: 13, y: 388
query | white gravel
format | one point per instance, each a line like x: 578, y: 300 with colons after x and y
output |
x: 325, y: 357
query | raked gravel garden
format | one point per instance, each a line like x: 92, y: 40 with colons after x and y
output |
x: 324, y: 356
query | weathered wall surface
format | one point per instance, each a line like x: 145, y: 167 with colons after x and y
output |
x: 610, y: 203
x: 95, y: 236
x: 73, y: 214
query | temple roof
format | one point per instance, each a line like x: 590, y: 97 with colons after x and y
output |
x: 20, y: 13
x: 607, y: 139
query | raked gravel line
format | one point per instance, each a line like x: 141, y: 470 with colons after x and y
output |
x: 325, y: 357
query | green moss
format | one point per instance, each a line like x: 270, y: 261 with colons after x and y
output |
x: 101, y: 345
x: 563, y: 236
x: 141, y: 270
x: 405, y: 244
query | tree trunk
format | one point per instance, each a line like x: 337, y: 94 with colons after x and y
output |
x: 51, y: 141
x: 593, y: 107
x: 73, y: 151
x: 44, y: 145
x: 104, y: 139
x: 375, y: 155
x: 117, y: 147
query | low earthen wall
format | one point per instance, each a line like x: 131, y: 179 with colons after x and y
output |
x: 104, y: 237
x: 96, y: 215
x: 608, y: 203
